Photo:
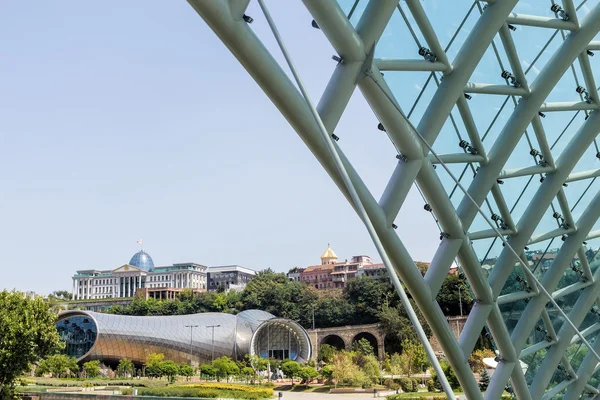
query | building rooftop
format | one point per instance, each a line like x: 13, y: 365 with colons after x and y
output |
x: 229, y: 268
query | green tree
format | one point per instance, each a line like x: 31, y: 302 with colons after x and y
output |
x: 186, y: 370
x: 27, y: 334
x: 363, y: 346
x: 59, y: 365
x: 225, y: 367
x: 450, y: 376
x: 257, y: 363
x: 208, y: 370
x: 307, y: 374
x: 345, y: 371
x: 449, y: 297
x: 370, y: 367
x: 169, y: 369
x: 153, y: 367
x: 92, y: 369
x: 326, y: 353
x: 476, y: 359
x: 397, y: 364
x: 247, y: 373
x: 125, y: 367
x: 290, y: 369
x: 484, y: 380
x: 417, y: 357
x: 397, y: 326
x: 327, y: 372
x: 62, y: 294
x: 369, y: 295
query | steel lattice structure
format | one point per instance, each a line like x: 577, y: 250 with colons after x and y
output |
x: 522, y: 145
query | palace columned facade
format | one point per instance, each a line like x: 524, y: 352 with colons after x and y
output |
x: 140, y: 273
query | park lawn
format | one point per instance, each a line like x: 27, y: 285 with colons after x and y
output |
x: 207, y: 390
x: 70, y: 382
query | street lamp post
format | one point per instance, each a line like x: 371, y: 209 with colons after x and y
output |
x: 213, y: 340
x: 191, y: 337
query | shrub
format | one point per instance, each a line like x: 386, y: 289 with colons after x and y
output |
x: 207, y: 391
x: 407, y: 385
x: 416, y: 382
x: 484, y: 380
x: 450, y: 376
x: 430, y: 385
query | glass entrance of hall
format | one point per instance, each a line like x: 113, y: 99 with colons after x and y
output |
x: 277, y: 341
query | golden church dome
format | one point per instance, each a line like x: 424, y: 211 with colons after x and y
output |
x: 328, y: 254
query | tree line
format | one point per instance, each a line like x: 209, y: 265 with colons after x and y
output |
x: 364, y: 300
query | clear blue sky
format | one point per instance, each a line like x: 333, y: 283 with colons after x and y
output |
x: 131, y: 120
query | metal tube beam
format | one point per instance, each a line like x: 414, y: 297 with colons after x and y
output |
x: 568, y: 106
x: 456, y: 158
x: 489, y: 233
x: 540, y: 22
x: 398, y: 187
x: 577, y: 176
x: 535, y: 348
x: 525, y: 171
x: 391, y: 64
x: 488, y: 88
x: 586, y: 332
x: 339, y: 31
x: 549, y: 235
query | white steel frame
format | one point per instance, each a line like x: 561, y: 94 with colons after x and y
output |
x: 416, y: 164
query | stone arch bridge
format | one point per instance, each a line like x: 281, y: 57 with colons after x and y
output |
x: 343, y: 337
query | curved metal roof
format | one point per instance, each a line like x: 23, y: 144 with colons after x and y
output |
x: 134, y: 337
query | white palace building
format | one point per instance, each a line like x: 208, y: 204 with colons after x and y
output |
x: 139, y: 273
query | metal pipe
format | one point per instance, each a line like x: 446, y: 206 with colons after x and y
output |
x: 540, y: 22
x: 392, y: 64
x: 568, y: 106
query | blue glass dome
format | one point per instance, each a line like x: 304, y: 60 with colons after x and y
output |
x: 142, y: 260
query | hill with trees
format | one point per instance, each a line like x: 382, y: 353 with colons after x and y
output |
x: 364, y: 300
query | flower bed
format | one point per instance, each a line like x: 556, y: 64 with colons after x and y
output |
x: 207, y: 390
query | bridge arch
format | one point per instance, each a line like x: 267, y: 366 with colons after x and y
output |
x: 346, y: 335
x: 335, y: 341
x: 372, y: 339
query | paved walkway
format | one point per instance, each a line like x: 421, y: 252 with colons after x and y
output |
x: 306, y: 396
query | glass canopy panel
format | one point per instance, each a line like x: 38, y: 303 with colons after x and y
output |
x: 519, y: 192
x: 389, y: 47
x: 535, y: 48
x: 521, y: 156
x: 531, y: 364
x: 353, y: 9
